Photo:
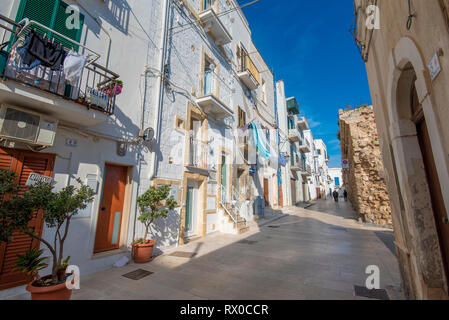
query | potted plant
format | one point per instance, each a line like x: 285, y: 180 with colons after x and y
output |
x: 153, y: 204
x: 58, y: 208
x: 111, y: 85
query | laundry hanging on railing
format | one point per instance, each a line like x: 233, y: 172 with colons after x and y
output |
x: 264, y: 148
x: 50, y: 54
x: 73, y: 67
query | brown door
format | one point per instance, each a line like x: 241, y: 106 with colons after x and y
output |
x: 281, y: 197
x: 22, y: 163
x: 111, y: 209
x: 266, y: 192
x: 433, y: 181
x: 293, y: 184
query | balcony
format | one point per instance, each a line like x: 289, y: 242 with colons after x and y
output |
x: 248, y: 72
x: 303, y: 124
x: 294, y: 136
x: 305, y: 146
x: 215, y: 92
x: 213, y: 26
x: 197, y: 154
x: 292, y: 106
x: 87, y: 101
x: 295, y: 166
x: 306, y: 170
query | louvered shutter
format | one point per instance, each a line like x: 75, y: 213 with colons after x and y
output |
x: 23, y: 163
x: 52, y: 14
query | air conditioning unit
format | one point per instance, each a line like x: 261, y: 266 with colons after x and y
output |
x: 26, y: 126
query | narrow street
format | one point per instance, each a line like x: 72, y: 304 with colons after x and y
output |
x: 315, y: 253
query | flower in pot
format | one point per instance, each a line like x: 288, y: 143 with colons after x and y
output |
x: 113, y: 87
x: 153, y: 204
x: 57, y: 209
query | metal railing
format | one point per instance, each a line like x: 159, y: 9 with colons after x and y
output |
x: 214, y: 85
x: 247, y: 64
x: 95, y: 88
x: 198, y: 154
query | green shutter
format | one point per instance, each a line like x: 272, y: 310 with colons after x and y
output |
x: 51, y: 13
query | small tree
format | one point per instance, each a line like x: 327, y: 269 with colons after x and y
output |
x: 153, y: 204
x: 58, y: 209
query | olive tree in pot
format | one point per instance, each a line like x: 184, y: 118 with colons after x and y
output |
x: 57, y: 209
x: 153, y: 204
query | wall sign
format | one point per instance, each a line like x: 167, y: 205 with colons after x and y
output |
x: 434, y: 66
x: 345, y: 164
x: 34, y: 178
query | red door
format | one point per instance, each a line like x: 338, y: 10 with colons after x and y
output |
x: 111, y: 209
x: 22, y: 163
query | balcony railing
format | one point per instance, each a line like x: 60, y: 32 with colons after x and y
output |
x: 198, y: 154
x: 247, y: 64
x: 95, y: 88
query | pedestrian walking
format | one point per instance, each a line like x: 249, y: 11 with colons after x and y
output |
x: 345, y: 194
x: 335, y: 195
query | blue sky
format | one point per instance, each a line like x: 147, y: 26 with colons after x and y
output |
x: 308, y: 45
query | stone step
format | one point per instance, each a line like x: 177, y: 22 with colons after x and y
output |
x: 243, y: 230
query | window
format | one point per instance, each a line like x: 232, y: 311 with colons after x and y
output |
x: 337, y: 181
x: 179, y: 123
x: 318, y: 151
x: 291, y: 123
x: 264, y: 91
x: 242, y: 118
x: 208, y: 4
x: 52, y: 14
x: 208, y: 77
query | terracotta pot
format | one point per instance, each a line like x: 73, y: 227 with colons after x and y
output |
x: 143, y: 252
x: 56, y: 292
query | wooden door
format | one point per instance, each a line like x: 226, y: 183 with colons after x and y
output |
x: 22, y: 163
x: 266, y: 192
x: 281, y: 197
x: 439, y: 209
x: 293, y: 183
x: 111, y: 209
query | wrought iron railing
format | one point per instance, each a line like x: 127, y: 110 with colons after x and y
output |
x: 247, y: 64
x: 96, y: 87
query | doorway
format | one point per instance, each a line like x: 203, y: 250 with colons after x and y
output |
x: 191, y: 209
x: 266, y: 192
x: 110, y: 213
x: 293, y: 183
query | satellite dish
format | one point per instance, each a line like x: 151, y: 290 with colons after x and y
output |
x: 148, y: 134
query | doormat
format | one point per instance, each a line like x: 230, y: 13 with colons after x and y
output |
x: 247, y: 241
x: 183, y: 254
x: 379, y: 294
x: 137, y: 274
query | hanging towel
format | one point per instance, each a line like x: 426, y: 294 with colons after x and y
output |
x: 73, y: 66
x: 262, y: 148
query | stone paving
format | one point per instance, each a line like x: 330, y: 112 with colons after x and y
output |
x: 316, y: 253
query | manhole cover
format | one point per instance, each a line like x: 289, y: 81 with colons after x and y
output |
x: 247, y: 242
x: 182, y: 254
x: 274, y: 227
x: 380, y: 294
x: 137, y: 274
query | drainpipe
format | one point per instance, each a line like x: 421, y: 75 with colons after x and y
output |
x: 160, y: 86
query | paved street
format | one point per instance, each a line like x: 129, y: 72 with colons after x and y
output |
x: 315, y: 253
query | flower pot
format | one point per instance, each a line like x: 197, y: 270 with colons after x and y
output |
x: 110, y: 90
x: 143, y: 252
x: 55, y: 292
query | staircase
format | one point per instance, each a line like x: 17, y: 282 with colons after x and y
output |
x: 232, y: 208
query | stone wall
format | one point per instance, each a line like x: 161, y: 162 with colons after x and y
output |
x: 365, y: 179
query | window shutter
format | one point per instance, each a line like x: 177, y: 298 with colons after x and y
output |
x: 52, y: 14
x: 60, y: 26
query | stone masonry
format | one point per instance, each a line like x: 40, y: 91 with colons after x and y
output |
x: 364, y: 180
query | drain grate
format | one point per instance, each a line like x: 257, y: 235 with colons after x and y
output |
x: 137, y: 274
x: 183, y: 254
x: 274, y: 227
x: 247, y: 242
x: 379, y: 294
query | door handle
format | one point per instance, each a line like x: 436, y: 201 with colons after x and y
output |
x: 103, y: 208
